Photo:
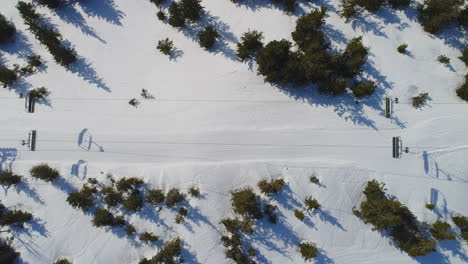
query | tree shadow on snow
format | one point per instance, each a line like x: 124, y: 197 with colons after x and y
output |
x: 103, y: 9
x: 70, y: 15
x: 85, y: 70
x: 256, y: 5
x: 21, y: 46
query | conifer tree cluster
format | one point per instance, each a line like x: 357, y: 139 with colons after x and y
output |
x: 183, y: 12
x: 7, y: 30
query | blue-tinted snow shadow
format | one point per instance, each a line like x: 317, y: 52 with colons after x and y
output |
x: 70, y: 15
x: 103, y: 9
x: 85, y: 70
x: 20, y: 46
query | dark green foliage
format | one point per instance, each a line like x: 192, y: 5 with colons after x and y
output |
x: 169, y: 253
x: 235, y: 225
x: 194, y: 192
x: 34, y: 61
x: 441, y: 231
x: 251, y: 43
x: 92, y: 181
x: 364, y: 88
x: 246, y: 203
x: 270, y: 212
x: 430, y: 206
x: 443, y: 59
x: 207, y: 37
x: 165, y: 46
x: 460, y: 221
x: 389, y: 214
x: 369, y: 5
x: 279, y: 64
x: 462, y: 91
x: 14, y: 217
x: 161, y: 15
x: 357, y: 213
x: 191, y: 9
x: 353, y: 58
x: 299, y: 214
x: 133, y: 202
x: 463, y: 17
x: 148, y: 237
x: 83, y: 199
x: 44, y: 172
x: 119, y: 221
x: 47, y: 36
x: 289, y: 5
x: 8, y: 254
x: 39, y: 93
x: 155, y: 196
x: 419, y: 100
x: 435, y: 15
x: 176, y: 15
x: 314, y: 179
x: 130, y: 230
x: 134, y: 102
x: 7, y: 76
x: 412, y: 241
x: 308, y: 34
x: 157, y: 2
x: 399, y: 3
x: 183, y: 212
x: 62, y: 261
x: 52, y: 4
x: 7, y: 30
x: 464, y: 56
x: 271, y: 187
x: 128, y: 184
x: 111, y: 197
x: 103, y: 217
x: 8, y: 178
x: 311, y: 204
x: 308, y: 250
x: 173, y: 197
x: 402, y: 48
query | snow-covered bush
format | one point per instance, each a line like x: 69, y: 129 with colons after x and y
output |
x: 236, y: 225
x: 169, y: 253
x: 44, y: 172
x: 128, y: 184
x: 443, y: 59
x: 207, y: 37
x: 155, y: 196
x: 148, y: 237
x: 39, y: 93
x: 102, y: 217
x: 435, y: 15
x: 111, y: 197
x: 441, y: 231
x: 13, y: 217
x: 364, y: 88
x: 130, y: 230
x: 402, y: 48
x: 161, y: 15
x: 83, y: 199
x: 419, y: 100
x: 165, y: 46
x: 311, y: 204
x: 7, y: 76
x: 194, y: 191
x: 62, y: 261
x: 133, y: 202
x: 299, y: 214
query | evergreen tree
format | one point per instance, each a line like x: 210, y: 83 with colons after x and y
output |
x: 7, y: 30
x: 308, y: 34
x: 7, y: 76
x: 251, y: 43
x: 191, y: 9
x: 362, y: 89
x: 435, y: 15
x: 176, y: 15
x: 353, y: 58
x: 208, y: 37
x: 52, y: 4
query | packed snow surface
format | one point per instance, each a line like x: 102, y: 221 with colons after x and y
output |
x: 214, y: 123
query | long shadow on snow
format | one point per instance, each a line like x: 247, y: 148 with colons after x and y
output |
x: 20, y: 46
x: 103, y: 9
x: 7, y: 157
x: 24, y: 187
x: 85, y: 70
x: 70, y: 15
x: 325, y: 216
x: 256, y: 5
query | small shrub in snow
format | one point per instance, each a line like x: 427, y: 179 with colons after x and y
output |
x: 133, y: 202
x: 194, y: 192
x: 111, y: 197
x: 180, y: 218
x: 165, y: 46
x: 314, y: 179
x: 169, y: 253
x: 464, y: 56
x: 161, y: 15
x: 246, y: 203
x: 83, y: 199
x: 39, y: 93
x: 134, y: 102
x: 8, y: 254
x: 183, y: 212
x: 462, y: 91
x: 357, y: 213
x: 311, y: 203
x: 173, y: 197
x: 271, y: 187
x: 128, y: 184
x: 92, y: 181
x: 207, y: 37
x: 130, y: 230
x: 419, y: 100
x: 460, y: 221
x: 148, y: 237
x: 443, y: 59
x: 430, y: 206
x: 44, y: 172
x: 62, y: 261
x: 155, y: 196
x: 7, y: 30
x: 235, y: 225
x: 157, y: 2
x: 8, y: 178
x: 299, y: 214
x: 365, y: 88
x: 308, y: 250
x: 250, y: 44
x: 441, y: 231
x: 270, y: 212
x: 145, y: 94
x: 402, y: 48
x: 103, y: 217
x: 7, y: 77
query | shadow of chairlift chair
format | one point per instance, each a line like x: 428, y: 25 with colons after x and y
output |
x: 389, y: 106
x: 29, y: 102
x: 31, y: 142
